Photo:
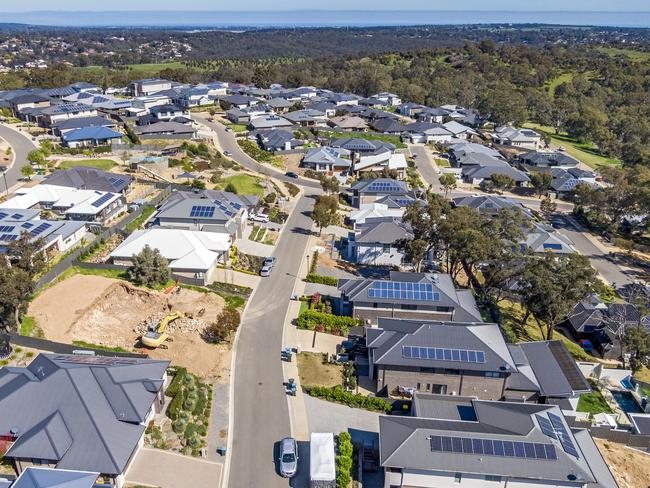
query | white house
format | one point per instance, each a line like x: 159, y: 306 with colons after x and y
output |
x: 373, y: 211
x: 519, y: 138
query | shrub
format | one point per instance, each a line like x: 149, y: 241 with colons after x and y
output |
x: 227, y: 322
x: 344, y: 460
x: 179, y: 425
x: 176, y: 384
x: 175, y: 407
x: 313, y: 264
x: 270, y: 198
x: 293, y: 189
x: 355, y: 400
x: 323, y: 280
x: 199, y: 408
x: 313, y: 320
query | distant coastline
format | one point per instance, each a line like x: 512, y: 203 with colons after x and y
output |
x: 323, y: 18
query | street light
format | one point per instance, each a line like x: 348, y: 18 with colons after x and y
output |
x: 307, y: 256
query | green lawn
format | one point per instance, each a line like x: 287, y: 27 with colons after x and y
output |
x: 103, y: 164
x: 442, y: 163
x: 144, y: 67
x: 98, y: 346
x: 29, y: 327
x: 582, y: 151
x: 637, y: 56
x: 557, y: 81
x: 593, y: 403
x: 137, y: 223
x: 237, y: 127
x: 244, y: 184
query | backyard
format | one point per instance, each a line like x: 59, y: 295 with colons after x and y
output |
x: 103, y: 164
x: 243, y: 184
x: 593, y: 403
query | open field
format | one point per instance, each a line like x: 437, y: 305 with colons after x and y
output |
x: 103, y: 164
x: 144, y: 67
x: 244, y: 184
x: 557, y: 81
x: 634, y: 55
x: 95, y: 310
x: 583, y: 152
x: 631, y: 468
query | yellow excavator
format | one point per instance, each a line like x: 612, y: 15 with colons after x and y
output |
x: 156, y: 334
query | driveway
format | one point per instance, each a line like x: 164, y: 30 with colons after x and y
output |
x: 21, y: 146
x: 425, y: 165
x: 331, y: 417
x: 153, y: 467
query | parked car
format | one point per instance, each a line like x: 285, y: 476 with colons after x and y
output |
x: 228, y: 129
x: 291, y: 174
x: 263, y: 218
x: 3, y: 169
x: 266, y: 271
x: 227, y: 153
x: 288, y: 457
x: 270, y: 261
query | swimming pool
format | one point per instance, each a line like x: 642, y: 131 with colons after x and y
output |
x: 627, y: 384
x: 626, y: 401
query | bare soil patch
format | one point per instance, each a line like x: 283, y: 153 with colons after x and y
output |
x: 115, y: 313
x: 631, y: 468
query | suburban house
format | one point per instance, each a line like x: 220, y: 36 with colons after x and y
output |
x: 348, y: 123
x: 168, y: 112
x: 99, y: 101
x: 371, y: 190
x: 422, y: 132
x: 246, y: 114
x: 25, y: 100
x: 47, y: 412
x: 59, y: 235
x: 90, y: 136
x: 534, y: 160
x: 166, y: 130
x: 432, y: 115
x: 410, y: 109
x: 57, y: 113
x: 307, y: 117
x: 373, y: 211
x: 458, y: 130
x: 278, y: 140
x: 518, y: 138
x: 460, y: 441
x: 478, y: 168
x: 239, y: 101
x: 227, y: 213
x: 360, y: 147
x: 328, y: 159
x: 389, y: 99
x: 86, y: 178
x: 447, y: 358
x: 280, y: 105
x: 270, y: 121
x: 421, y: 296
x: 193, y: 255
x: 148, y: 86
x: 65, y: 126
x: 541, y: 238
x: 37, y: 477
x: 566, y: 180
x: 491, y: 204
x: 388, y: 126
x: 375, y: 241
x: 380, y: 161
x: 72, y: 203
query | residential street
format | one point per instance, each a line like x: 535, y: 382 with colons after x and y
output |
x: 261, y: 414
x: 21, y: 146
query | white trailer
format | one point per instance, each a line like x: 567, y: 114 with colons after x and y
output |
x: 322, y: 460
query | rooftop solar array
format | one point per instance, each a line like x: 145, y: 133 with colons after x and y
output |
x: 384, y: 186
x: 116, y: 181
x: 563, y: 435
x: 202, y: 211
x: 493, y: 447
x: 443, y: 354
x: 8, y: 237
x: 7, y: 228
x: 27, y: 225
x: 16, y: 216
x: 403, y: 290
x: 40, y: 229
x: 546, y: 426
x: 3, y: 215
x: 224, y: 208
x: 102, y: 200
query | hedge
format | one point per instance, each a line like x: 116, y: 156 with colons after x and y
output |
x: 175, y: 406
x: 326, y: 322
x: 337, y: 394
x: 175, y: 386
x: 344, y: 460
x: 320, y: 279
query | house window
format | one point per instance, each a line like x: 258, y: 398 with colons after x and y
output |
x: 490, y: 477
x: 492, y: 374
x: 418, y: 386
x: 428, y: 386
x: 408, y: 306
x: 458, y: 477
x: 452, y: 372
x: 386, y: 248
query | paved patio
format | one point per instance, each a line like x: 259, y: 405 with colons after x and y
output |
x: 153, y: 467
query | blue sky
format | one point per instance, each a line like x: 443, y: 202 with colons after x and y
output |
x: 216, y: 5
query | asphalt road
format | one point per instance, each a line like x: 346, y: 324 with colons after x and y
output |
x: 21, y: 146
x: 261, y: 414
x: 228, y: 142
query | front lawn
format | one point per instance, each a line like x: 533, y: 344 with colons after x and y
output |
x: 243, y: 185
x: 584, y: 152
x: 314, y: 371
x: 442, y: 163
x: 593, y: 403
x: 103, y: 164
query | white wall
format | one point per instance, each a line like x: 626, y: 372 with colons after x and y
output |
x: 375, y: 255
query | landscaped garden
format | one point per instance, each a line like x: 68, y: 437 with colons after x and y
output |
x: 593, y: 403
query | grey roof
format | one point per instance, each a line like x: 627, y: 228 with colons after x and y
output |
x: 225, y: 197
x: 277, y: 138
x: 50, y: 230
x: 270, y: 121
x: 165, y: 128
x: 382, y: 230
x: 586, y: 317
x: 597, y: 464
x: 357, y: 290
x: 387, y: 340
x: 181, y: 210
x: 404, y: 442
x: 547, y: 159
x: 641, y: 422
x: 489, y: 170
x: 540, y: 238
x: 80, y: 122
x: 66, y: 108
x: 491, y: 204
x: 452, y: 407
x: 399, y: 201
x: 304, y: 115
x: 357, y: 144
x: 396, y: 187
x: 18, y: 214
x: 35, y: 477
x: 84, y: 177
x: 328, y: 155
x: 549, y: 366
x: 80, y: 412
x: 388, y: 125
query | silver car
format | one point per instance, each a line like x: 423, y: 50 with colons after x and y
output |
x: 288, y: 457
x: 266, y: 271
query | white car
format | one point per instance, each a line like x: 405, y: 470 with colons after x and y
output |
x: 260, y: 218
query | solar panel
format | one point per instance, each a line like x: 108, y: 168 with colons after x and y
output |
x: 563, y: 435
x: 546, y: 426
x: 16, y: 216
x: 40, y: 229
x: 7, y: 228
x: 202, y: 211
x: 398, y: 290
x: 492, y: 447
x: 443, y: 354
x: 8, y: 237
x: 27, y: 225
x: 102, y: 200
x: 3, y: 215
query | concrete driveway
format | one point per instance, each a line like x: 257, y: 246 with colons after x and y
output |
x: 153, y: 467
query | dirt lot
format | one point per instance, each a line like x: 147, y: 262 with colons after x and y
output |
x: 630, y: 468
x: 312, y: 371
x: 114, y: 313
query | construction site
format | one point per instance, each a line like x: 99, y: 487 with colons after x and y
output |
x: 94, y: 310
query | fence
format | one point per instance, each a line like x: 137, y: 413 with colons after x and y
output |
x: 73, y: 258
x: 61, y: 348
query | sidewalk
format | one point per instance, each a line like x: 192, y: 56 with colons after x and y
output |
x: 223, y: 275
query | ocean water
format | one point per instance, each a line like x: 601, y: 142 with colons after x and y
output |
x: 315, y: 18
